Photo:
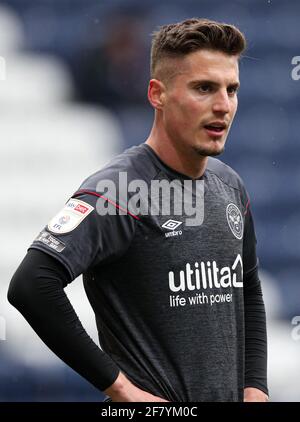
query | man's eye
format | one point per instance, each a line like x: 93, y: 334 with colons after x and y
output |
x: 232, y: 90
x: 204, y: 88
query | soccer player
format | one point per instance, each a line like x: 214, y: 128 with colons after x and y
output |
x: 178, y: 302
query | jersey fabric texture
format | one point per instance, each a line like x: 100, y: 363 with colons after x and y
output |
x: 181, y: 315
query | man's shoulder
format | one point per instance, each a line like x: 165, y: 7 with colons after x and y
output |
x: 225, y: 173
x: 134, y: 163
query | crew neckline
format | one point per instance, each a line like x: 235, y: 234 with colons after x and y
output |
x: 163, y: 166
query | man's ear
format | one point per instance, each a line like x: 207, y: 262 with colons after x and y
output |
x: 156, y: 94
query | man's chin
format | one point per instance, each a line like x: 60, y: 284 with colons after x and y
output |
x: 209, y: 152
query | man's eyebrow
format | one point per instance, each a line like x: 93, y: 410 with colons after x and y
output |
x: 235, y: 84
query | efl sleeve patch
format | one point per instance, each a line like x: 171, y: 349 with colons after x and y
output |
x: 73, y: 213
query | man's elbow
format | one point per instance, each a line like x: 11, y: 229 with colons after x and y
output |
x: 16, y: 294
x: 22, y: 285
x: 38, y: 279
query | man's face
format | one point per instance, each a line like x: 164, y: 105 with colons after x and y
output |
x: 200, y: 102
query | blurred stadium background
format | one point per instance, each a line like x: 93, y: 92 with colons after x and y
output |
x: 75, y: 94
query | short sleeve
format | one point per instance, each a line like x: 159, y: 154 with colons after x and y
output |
x: 249, y: 243
x: 80, y: 238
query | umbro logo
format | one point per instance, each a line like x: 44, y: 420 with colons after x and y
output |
x: 172, y: 226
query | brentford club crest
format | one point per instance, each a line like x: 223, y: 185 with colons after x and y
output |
x: 235, y: 220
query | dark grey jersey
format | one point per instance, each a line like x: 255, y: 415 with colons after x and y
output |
x: 168, y: 296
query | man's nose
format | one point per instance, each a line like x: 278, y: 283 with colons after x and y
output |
x: 221, y: 102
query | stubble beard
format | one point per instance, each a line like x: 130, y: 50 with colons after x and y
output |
x: 211, y: 152
x: 205, y: 152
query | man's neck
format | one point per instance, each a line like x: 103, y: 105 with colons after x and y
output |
x: 192, y: 167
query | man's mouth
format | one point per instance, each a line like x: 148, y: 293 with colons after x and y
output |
x: 215, y: 129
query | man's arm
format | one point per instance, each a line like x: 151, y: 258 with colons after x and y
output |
x: 37, y: 291
x: 256, y: 388
x: 255, y: 339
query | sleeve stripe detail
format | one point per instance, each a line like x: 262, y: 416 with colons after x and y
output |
x: 247, y: 206
x: 106, y: 199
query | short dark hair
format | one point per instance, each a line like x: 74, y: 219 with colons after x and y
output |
x: 179, y: 39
